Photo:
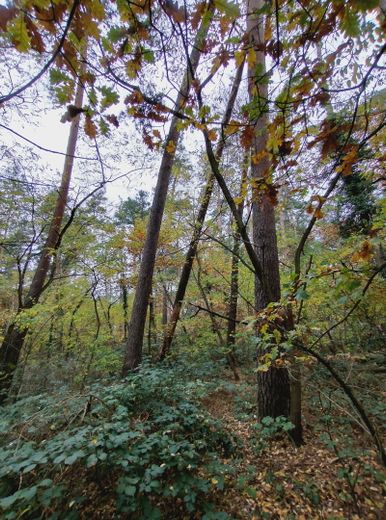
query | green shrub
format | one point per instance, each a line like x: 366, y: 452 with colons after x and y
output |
x: 147, y: 435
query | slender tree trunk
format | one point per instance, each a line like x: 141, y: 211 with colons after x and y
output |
x: 273, y: 387
x: 192, y: 249
x: 234, y: 287
x: 215, y: 326
x: 133, y: 353
x: 124, y: 307
x: 14, y: 337
x: 164, y: 305
x: 152, y: 331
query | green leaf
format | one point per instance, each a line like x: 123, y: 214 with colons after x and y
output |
x: 130, y: 491
x: 148, y: 55
x: 228, y: 8
x: 366, y: 5
x: 350, y: 23
x: 57, y: 77
x: 7, y: 502
x: 251, y: 492
x: 74, y: 457
x: 110, y: 97
x: 301, y: 294
x: 116, y: 33
x: 267, y: 421
x: 18, y: 32
x: 91, y: 460
x: 29, y: 468
x: 47, y: 482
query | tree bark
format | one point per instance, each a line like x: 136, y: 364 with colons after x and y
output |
x: 234, y: 286
x: 165, y: 310
x: 192, y: 249
x: 273, y: 387
x: 14, y: 337
x: 133, y: 355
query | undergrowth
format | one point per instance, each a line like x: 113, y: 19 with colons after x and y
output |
x: 146, y: 441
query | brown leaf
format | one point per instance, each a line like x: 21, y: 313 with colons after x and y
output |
x: 364, y: 253
x: 6, y: 14
x: 90, y: 128
x: 112, y: 118
x: 36, y: 40
x: 197, y: 15
x: 246, y: 137
x: 212, y: 134
x: 174, y: 11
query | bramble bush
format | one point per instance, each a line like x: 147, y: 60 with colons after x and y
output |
x: 148, y: 435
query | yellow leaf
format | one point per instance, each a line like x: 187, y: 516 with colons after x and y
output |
x: 239, y: 57
x: 97, y: 9
x: 252, y: 58
x: 268, y: 30
x: 171, y: 147
x: 199, y: 126
x: 93, y: 29
x: 365, y: 252
x: 17, y: 29
x: 263, y: 328
x: 215, y: 65
x: 347, y: 163
x: 273, y: 143
x: 257, y: 157
x: 231, y: 128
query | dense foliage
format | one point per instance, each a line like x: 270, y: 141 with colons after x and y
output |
x: 192, y: 281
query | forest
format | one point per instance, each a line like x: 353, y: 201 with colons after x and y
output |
x: 192, y: 259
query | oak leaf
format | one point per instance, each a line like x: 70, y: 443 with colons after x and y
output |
x: 90, y: 128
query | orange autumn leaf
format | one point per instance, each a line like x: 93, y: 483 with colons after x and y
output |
x: 345, y: 168
x: 247, y: 136
x: 171, y: 147
x: 212, y: 134
x: 364, y: 253
x: 90, y: 127
x: 258, y: 157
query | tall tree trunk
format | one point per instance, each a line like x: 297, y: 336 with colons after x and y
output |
x: 192, y: 249
x: 234, y: 287
x: 164, y: 305
x: 14, y: 337
x: 124, y: 307
x: 133, y: 353
x: 273, y: 387
x: 152, y: 329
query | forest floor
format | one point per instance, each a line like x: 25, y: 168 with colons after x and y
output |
x: 335, y: 475
x: 280, y: 481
